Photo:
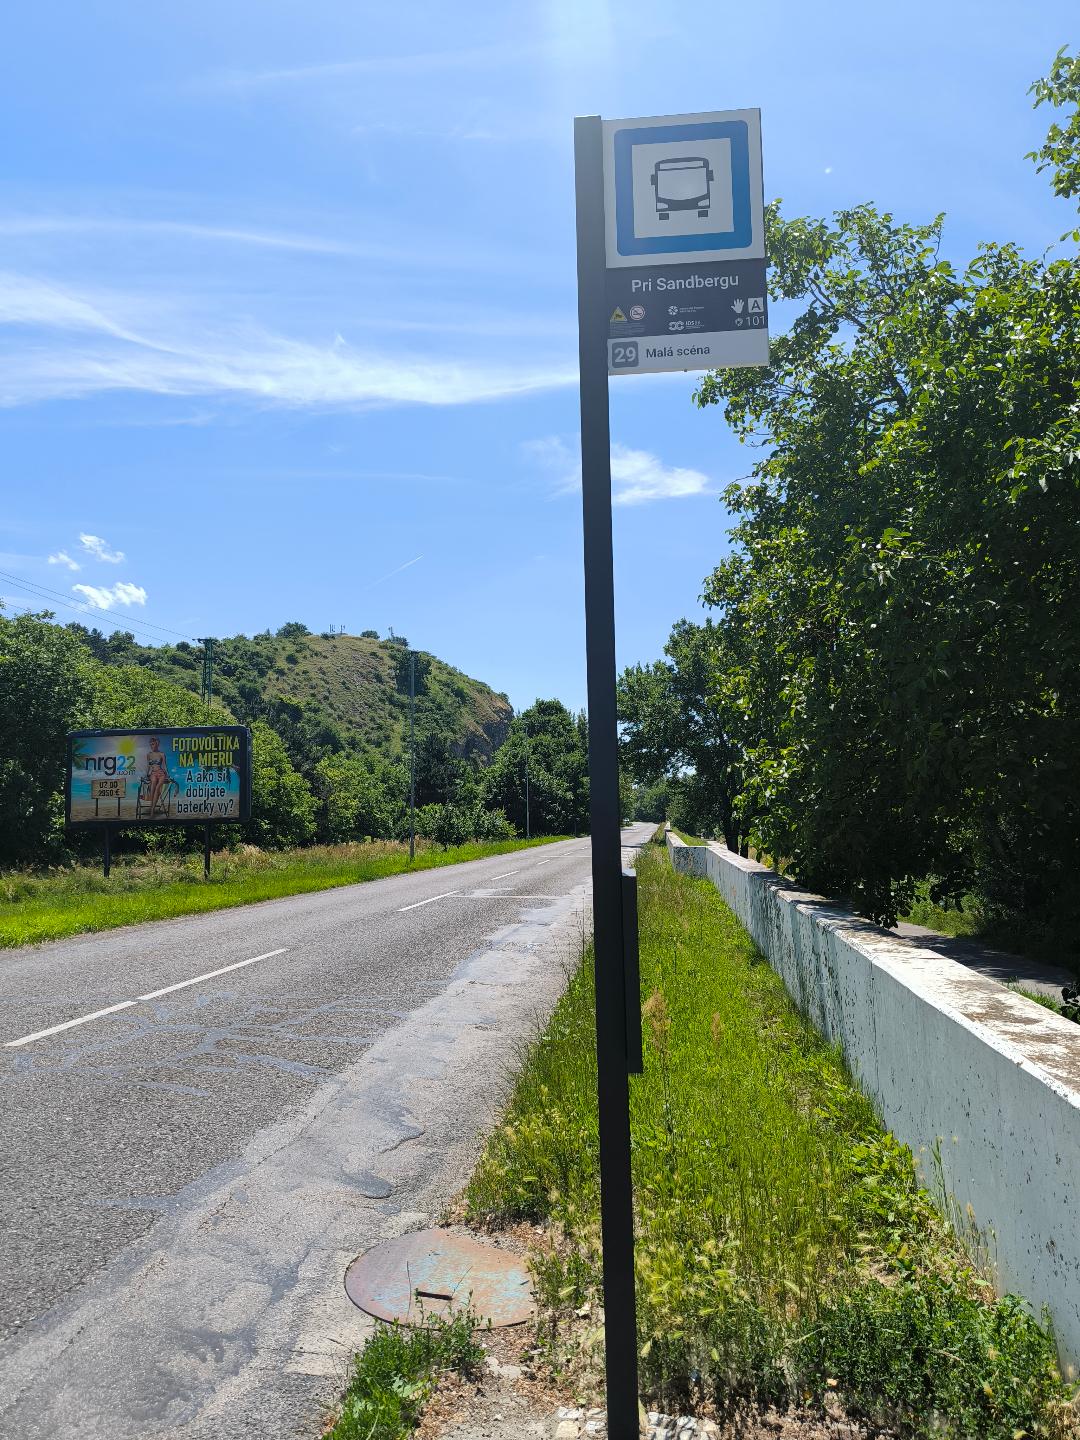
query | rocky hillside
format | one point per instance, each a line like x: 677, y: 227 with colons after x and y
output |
x: 356, y: 685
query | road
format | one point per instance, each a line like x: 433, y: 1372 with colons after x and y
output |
x: 204, y: 1119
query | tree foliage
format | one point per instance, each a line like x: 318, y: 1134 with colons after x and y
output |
x: 901, y: 661
x: 676, y: 729
x: 550, y: 746
x: 309, y: 779
x: 282, y: 806
x: 1060, y: 151
x: 46, y: 679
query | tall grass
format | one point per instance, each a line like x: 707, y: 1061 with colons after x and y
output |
x: 76, y: 899
x: 785, y: 1250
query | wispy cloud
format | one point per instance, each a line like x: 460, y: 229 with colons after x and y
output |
x: 97, y: 547
x: 26, y: 301
x: 104, y: 597
x: 415, y: 560
x: 63, y: 558
x: 397, y: 249
x: 160, y: 355
x: 419, y: 63
x: 16, y: 226
x: 637, y: 476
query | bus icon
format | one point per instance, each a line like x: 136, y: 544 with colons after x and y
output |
x: 682, y: 183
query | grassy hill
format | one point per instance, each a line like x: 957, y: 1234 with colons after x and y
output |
x: 353, y: 684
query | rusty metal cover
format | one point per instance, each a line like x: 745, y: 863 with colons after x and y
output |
x: 438, y: 1272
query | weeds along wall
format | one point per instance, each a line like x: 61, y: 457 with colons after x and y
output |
x: 981, y: 1083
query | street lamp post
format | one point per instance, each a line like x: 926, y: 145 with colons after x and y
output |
x: 412, y: 754
x: 528, y: 823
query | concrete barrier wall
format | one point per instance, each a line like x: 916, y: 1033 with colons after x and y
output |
x: 954, y: 1062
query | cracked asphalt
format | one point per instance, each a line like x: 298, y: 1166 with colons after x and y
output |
x: 183, y: 1181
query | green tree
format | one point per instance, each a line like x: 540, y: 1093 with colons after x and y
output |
x: 441, y: 775
x: 650, y: 802
x: 551, y: 745
x: 1060, y: 151
x: 46, y: 682
x: 416, y: 661
x: 676, y: 729
x: 903, y: 655
x: 304, y: 726
x: 358, y: 800
x: 129, y: 696
x: 283, y: 808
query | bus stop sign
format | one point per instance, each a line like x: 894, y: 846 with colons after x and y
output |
x: 685, y: 243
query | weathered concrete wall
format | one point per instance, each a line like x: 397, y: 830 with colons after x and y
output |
x: 954, y: 1062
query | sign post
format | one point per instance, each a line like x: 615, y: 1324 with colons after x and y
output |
x: 671, y: 276
x: 613, y: 1097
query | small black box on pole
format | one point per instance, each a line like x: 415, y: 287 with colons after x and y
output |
x: 635, y: 1063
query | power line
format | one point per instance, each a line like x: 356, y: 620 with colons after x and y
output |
x: 35, y: 588
x: 55, y: 596
x: 207, y: 642
x: 8, y: 603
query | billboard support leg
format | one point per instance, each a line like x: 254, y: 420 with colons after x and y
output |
x: 206, y: 852
x: 106, y: 865
x: 616, y: 1191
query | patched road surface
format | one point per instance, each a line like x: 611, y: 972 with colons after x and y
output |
x: 205, y: 1119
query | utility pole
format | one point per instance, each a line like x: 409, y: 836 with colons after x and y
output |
x: 207, y: 672
x: 412, y: 754
x: 528, y: 825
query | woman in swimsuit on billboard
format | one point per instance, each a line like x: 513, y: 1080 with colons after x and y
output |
x: 157, y: 772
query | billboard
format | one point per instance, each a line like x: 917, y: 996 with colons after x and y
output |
x: 159, y: 777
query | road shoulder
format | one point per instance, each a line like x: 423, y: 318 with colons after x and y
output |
x: 233, y: 1311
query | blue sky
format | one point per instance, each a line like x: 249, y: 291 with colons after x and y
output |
x: 287, y: 310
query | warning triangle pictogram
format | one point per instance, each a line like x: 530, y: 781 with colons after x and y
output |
x: 617, y: 314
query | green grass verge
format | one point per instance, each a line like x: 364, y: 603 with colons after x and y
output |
x: 78, y: 899
x: 1047, y: 1001
x: 962, y: 922
x: 687, y: 838
x: 785, y: 1249
x: 395, y: 1373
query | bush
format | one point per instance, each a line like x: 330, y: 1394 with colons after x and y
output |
x: 282, y: 805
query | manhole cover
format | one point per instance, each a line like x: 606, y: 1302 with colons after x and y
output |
x: 436, y: 1272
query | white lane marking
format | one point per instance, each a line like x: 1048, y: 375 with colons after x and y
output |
x: 127, y: 1004
x: 429, y: 901
x: 503, y: 874
x: 210, y: 975
x: 508, y: 895
x: 68, y: 1024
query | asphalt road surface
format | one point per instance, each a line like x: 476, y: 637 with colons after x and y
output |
x: 204, y: 1119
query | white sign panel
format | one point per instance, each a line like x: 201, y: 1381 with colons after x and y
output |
x: 684, y: 187
x: 685, y: 241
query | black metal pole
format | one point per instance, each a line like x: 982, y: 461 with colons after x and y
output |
x: 412, y: 754
x: 206, y: 852
x: 106, y: 865
x: 616, y: 1193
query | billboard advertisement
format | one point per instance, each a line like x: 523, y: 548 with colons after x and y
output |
x: 159, y: 777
